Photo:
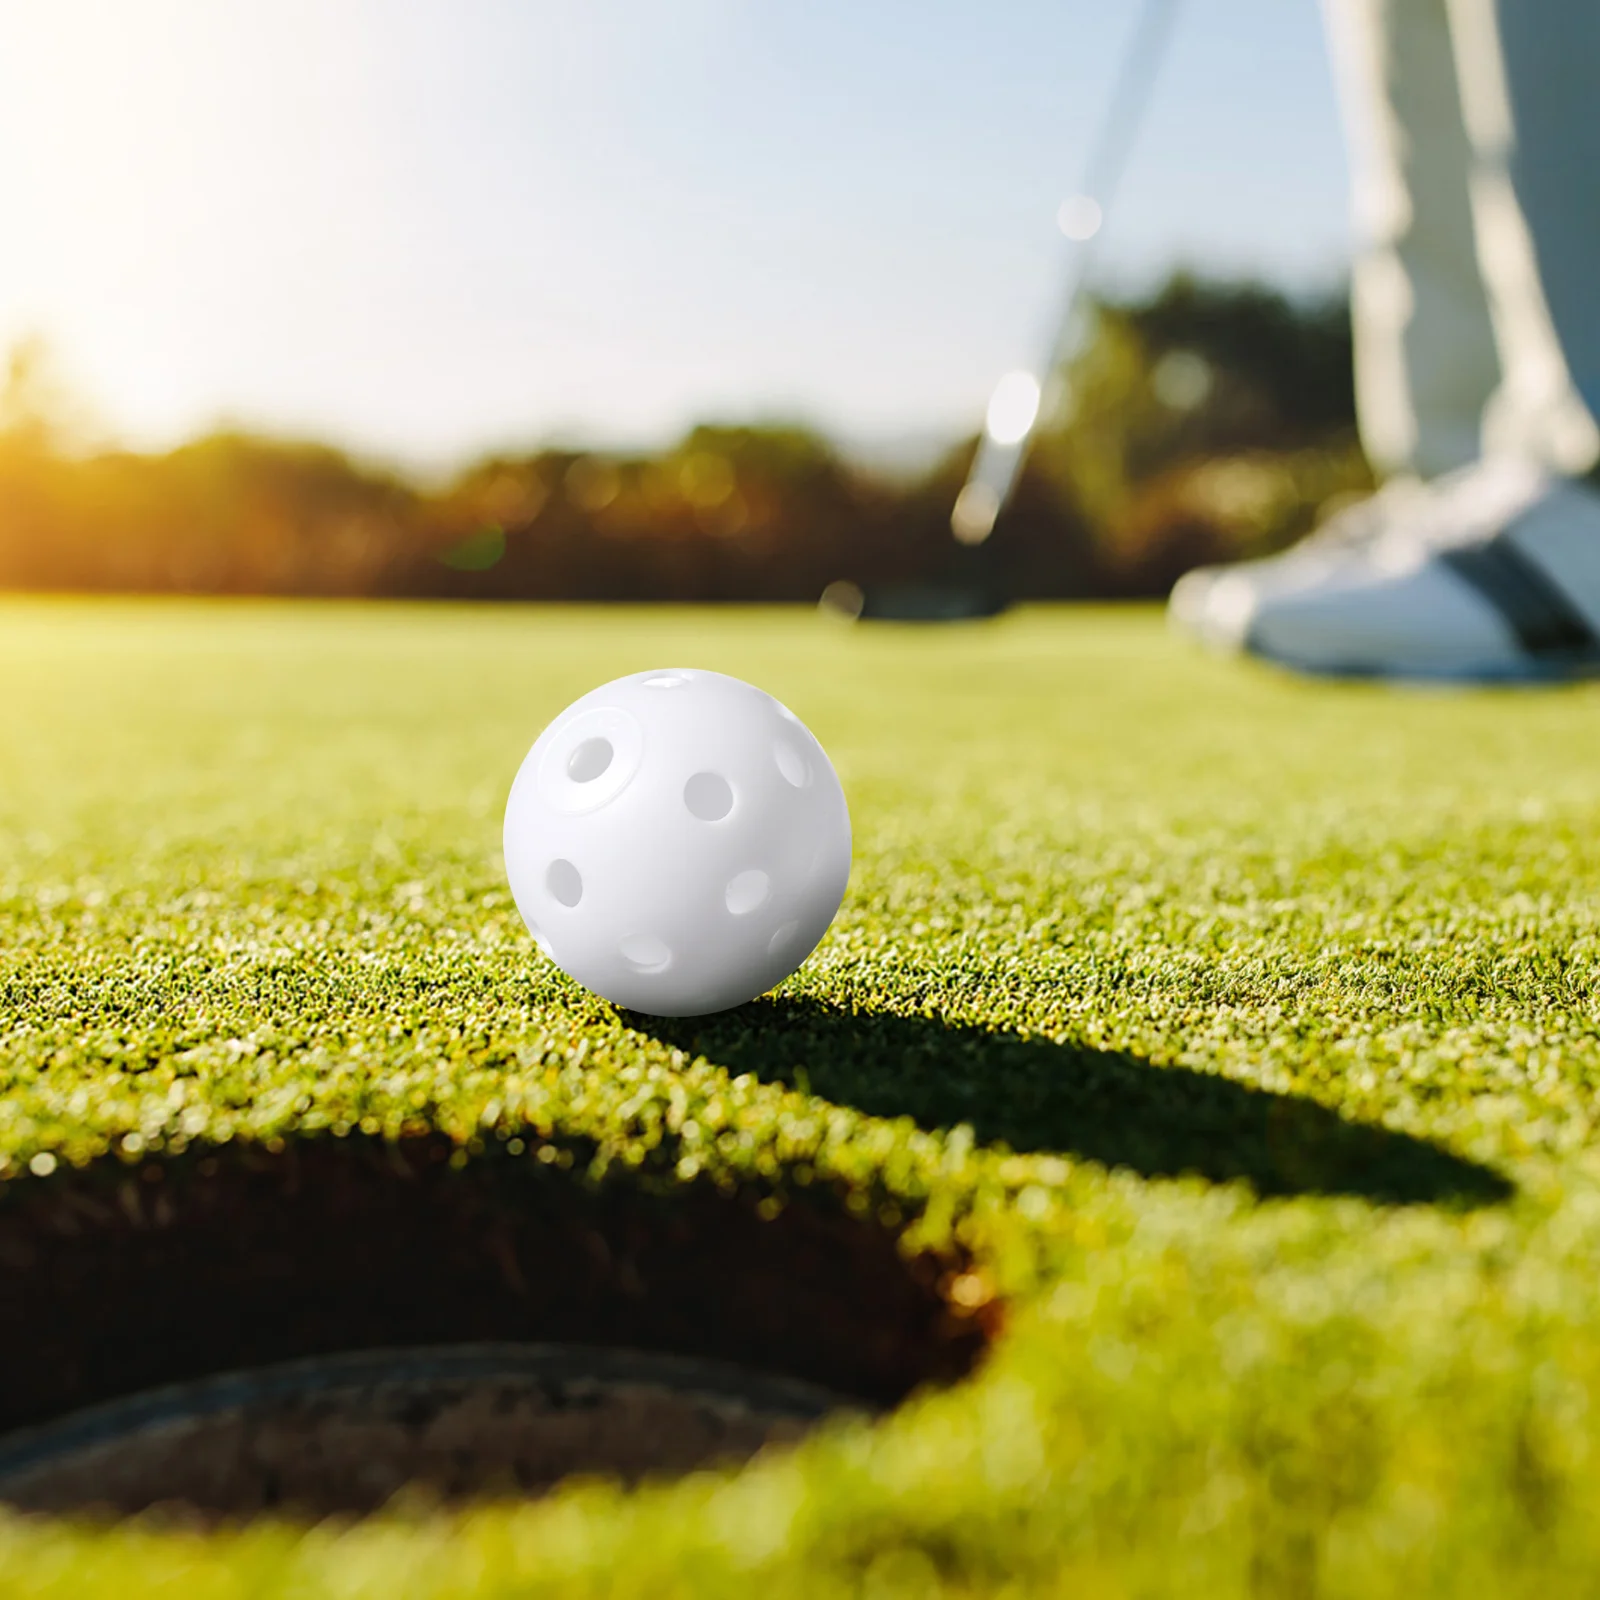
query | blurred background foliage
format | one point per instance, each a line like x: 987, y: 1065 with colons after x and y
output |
x: 1206, y: 422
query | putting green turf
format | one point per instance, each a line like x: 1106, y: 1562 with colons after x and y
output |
x: 1241, y: 1031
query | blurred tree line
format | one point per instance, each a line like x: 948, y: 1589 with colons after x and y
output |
x: 1208, y: 421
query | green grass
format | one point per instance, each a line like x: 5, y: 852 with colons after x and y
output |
x: 1241, y: 1032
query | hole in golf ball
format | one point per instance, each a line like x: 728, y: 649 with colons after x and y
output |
x: 540, y: 940
x: 709, y: 796
x: 666, y: 680
x: 589, y: 760
x: 747, y: 891
x: 645, y: 953
x: 563, y: 881
x: 780, y: 940
x: 794, y: 766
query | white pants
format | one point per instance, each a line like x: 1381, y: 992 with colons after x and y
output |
x: 1474, y: 135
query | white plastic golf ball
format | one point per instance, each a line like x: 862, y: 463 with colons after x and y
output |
x: 677, y: 841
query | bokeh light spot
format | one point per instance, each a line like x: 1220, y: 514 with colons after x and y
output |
x: 1012, y: 408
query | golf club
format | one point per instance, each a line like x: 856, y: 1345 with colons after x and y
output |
x: 1017, y: 400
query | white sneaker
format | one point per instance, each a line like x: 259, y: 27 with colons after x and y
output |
x: 1490, y: 573
x: 1216, y: 604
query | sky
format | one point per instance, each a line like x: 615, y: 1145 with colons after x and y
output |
x: 429, y: 228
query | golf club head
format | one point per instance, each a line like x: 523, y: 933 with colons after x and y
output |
x: 971, y: 588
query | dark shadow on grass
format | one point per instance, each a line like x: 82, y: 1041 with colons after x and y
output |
x: 1098, y: 1105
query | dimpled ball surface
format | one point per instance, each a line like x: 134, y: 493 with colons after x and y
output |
x: 677, y: 841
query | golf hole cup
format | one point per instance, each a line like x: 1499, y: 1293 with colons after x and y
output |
x: 677, y: 841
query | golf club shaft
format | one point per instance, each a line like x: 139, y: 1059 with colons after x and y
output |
x: 998, y: 463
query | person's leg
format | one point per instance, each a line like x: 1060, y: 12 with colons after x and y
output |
x: 1426, y: 362
x: 1425, y: 346
x: 1529, y: 72
x: 1492, y: 570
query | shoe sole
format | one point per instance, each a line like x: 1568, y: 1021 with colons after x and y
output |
x: 1532, y: 673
